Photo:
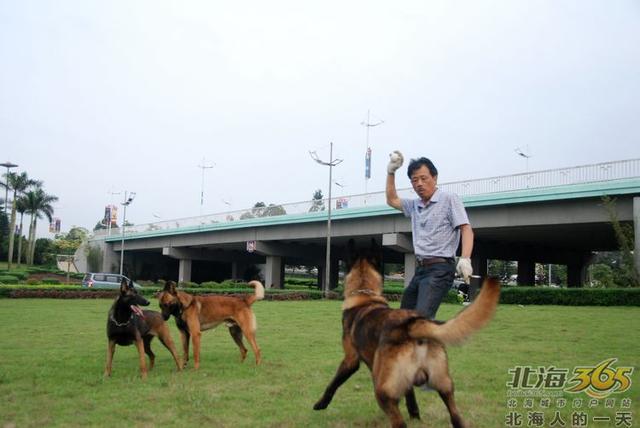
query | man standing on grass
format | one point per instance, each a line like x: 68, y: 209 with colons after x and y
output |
x: 438, y: 220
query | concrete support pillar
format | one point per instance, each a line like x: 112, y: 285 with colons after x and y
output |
x: 409, y: 268
x: 526, y: 272
x: 274, y: 272
x: 184, y: 270
x: 636, y: 232
x: 576, y: 274
x: 479, y: 264
x: 333, y: 273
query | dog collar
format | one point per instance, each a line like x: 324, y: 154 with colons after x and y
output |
x: 364, y: 291
x: 120, y: 324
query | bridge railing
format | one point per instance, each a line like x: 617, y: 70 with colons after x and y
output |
x: 605, y: 171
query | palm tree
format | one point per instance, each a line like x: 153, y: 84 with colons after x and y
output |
x: 21, y: 207
x: 38, y: 203
x: 19, y: 183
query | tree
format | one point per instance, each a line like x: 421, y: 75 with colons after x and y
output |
x: 260, y: 209
x: 21, y: 207
x: 317, y: 203
x: 68, y: 243
x: 38, y: 205
x: 601, y: 275
x: 19, y: 183
x: 625, y: 238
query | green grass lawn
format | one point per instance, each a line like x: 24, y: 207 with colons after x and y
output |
x: 52, y: 355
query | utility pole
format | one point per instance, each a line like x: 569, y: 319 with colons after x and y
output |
x: 126, y: 203
x: 367, y: 156
x: 332, y: 162
x: 7, y: 165
x: 203, y: 166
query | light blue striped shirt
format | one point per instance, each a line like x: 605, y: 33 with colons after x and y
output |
x: 436, y: 225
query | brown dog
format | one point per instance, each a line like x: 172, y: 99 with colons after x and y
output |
x: 128, y: 324
x: 195, y: 314
x: 400, y: 347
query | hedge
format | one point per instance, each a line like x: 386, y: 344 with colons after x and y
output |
x: 8, y: 279
x: 570, y: 296
x: 509, y: 295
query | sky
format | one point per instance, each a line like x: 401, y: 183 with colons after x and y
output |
x: 101, y: 97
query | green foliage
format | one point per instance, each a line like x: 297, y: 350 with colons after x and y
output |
x: 570, y: 296
x: 94, y: 258
x: 260, y: 209
x: 188, y: 284
x: 309, y: 282
x: 44, y: 252
x: 51, y: 281
x: 601, y: 275
x: 33, y: 282
x: 625, y: 237
x: 317, y: 203
x: 8, y: 279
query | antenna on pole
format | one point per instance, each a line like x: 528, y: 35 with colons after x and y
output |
x: 203, y: 166
x: 367, y: 156
x: 525, y: 154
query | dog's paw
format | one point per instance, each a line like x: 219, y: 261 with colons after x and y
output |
x: 320, y: 405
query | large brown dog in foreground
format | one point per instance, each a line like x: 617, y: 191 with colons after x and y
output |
x: 400, y: 347
x: 195, y: 314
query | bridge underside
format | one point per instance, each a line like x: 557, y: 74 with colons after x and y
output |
x: 565, y: 232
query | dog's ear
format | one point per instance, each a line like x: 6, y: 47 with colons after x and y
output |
x: 185, y: 299
x: 375, y: 253
x: 351, y: 254
x: 170, y: 287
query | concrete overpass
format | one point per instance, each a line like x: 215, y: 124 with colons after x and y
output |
x: 557, y: 224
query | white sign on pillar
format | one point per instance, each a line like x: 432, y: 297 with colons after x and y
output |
x: 251, y: 246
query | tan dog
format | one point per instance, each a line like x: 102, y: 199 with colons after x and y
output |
x: 195, y: 314
x: 400, y: 347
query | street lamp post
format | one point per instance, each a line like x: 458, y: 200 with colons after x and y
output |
x: 126, y: 203
x: 7, y: 165
x: 203, y: 167
x: 332, y: 162
x: 367, y: 171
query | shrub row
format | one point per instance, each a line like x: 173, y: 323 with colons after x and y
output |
x: 519, y: 295
x: 571, y: 296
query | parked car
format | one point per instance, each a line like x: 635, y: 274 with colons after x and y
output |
x: 105, y: 280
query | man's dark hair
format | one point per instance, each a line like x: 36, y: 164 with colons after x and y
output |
x: 418, y: 163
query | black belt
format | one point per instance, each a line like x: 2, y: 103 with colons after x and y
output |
x: 426, y: 261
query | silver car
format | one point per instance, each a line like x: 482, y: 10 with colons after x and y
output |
x: 105, y: 280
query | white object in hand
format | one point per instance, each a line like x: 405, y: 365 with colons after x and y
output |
x: 464, y: 268
x: 395, y: 161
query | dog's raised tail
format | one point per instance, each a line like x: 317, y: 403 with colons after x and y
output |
x: 258, y: 292
x: 467, y: 322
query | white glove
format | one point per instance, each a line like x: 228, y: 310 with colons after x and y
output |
x: 395, y: 161
x: 464, y: 268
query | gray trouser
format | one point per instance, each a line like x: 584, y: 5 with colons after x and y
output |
x: 428, y: 287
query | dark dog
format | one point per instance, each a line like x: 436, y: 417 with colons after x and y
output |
x: 400, y: 347
x: 195, y: 314
x: 128, y: 324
